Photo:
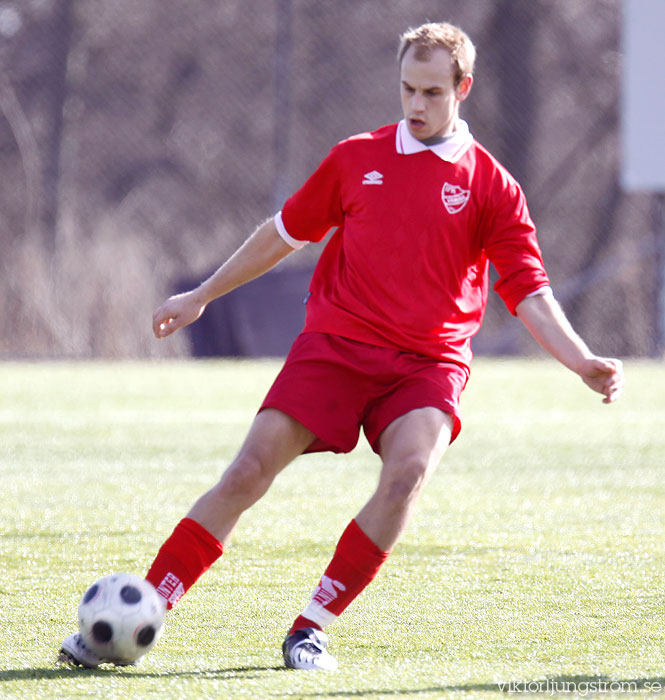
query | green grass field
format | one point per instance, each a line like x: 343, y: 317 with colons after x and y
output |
x: 536, y: 555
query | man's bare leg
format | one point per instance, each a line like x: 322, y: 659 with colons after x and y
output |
x: 274, y: 440
x: 411, y: 447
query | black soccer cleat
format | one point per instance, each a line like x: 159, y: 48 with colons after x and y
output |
x: 306, y: 649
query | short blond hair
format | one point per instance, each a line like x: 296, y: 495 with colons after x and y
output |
x: 440, y: 35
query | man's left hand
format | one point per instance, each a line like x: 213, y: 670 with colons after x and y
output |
x: 604, y: 375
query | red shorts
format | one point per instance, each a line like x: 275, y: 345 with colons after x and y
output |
x: 334, y: 385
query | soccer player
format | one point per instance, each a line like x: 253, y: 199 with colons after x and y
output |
x: 420, y: 210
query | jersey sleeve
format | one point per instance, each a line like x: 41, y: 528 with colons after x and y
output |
x: 316, y: 207
x: 511, y: 245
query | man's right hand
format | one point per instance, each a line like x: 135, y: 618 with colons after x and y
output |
x: 258, y: 254
x: 176, y: 312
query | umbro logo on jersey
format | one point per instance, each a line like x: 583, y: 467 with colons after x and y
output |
x: 454, y: 198
x: 373, y: 178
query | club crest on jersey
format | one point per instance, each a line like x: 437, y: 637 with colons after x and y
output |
x: 454, y: 198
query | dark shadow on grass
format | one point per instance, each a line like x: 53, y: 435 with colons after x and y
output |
x: 572, y: 686
x: 558, y: 685
x: 49, y: 672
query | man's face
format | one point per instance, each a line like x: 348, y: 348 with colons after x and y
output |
x: 430, y: 99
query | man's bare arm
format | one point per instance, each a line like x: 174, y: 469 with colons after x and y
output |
x: 258, y: 254
x: 547, y: 323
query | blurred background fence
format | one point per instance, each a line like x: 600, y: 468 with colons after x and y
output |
x: 141, y: 142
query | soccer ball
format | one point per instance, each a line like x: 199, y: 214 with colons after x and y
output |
x: 121, y: 617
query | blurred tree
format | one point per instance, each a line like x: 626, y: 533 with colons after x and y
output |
x: 140, y: 142
x: 57, y: 35
x: 513, y: 62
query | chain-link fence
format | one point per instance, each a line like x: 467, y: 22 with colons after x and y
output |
x: 140, y: 143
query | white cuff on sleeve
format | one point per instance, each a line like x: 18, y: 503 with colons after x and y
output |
x: 293, y: 242
x: 542, y: 292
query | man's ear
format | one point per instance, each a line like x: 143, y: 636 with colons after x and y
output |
x: 464, y: 88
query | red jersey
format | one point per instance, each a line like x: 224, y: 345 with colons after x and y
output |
x: 417, y: 227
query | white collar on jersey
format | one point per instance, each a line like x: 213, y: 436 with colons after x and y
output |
x: 452, y: 149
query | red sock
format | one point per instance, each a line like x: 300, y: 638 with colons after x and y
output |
x: 356, y: 562
x: 188, y: 553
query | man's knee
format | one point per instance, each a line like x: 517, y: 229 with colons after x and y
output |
x: 405, y: 480
x: 273, y: 441
x: 248, y: 474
